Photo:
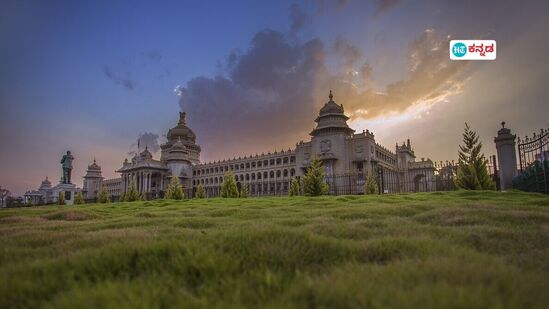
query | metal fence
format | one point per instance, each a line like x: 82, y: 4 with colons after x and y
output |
x: 534, y: 163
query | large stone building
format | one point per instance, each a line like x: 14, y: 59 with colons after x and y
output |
x: 347, y: 157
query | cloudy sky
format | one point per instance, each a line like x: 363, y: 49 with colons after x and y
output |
x: 95, y: 76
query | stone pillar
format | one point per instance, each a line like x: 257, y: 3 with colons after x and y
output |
x: 507, y: 157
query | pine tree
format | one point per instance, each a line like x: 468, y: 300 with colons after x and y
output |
x: 79, y: 198
x: 228, y: 187
x: 175, y: 190
x: 200, y: 192
x: 313, y: 181
x: 103, y: 197
x: 371, y: 186
x: 244, y: 191
x: 61, y: 198
x: 472, y: 173
x: 131, y: 194
x: 295, y: 189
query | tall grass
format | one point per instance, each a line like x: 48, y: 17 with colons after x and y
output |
x: 435, y: 250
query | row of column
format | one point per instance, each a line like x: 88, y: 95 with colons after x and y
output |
x: 142, y: 181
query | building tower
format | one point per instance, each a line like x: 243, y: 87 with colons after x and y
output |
x: 329, y: 137
x: 507, y: 156
x: 92, y: 181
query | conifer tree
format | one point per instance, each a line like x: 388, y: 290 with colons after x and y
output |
x: 175, y: 190
x: 244, y: 191
x: 313, y: 181
x: 79, y: 198
x: 132, y: 194
x: 103, y: 197
x: 295, y: 189
x: 228, y: 187
x: 371, y: 187
x: 61, y: 198
x: 200, y: 192
x: 472, y: 173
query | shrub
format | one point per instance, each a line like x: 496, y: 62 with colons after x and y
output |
x: 175, y: 190
x: 244, y: 191
x: 131, y: 194
x: 295, y: 187
x: 313, y: 181
x: 61, y: 198
x: 370, y: 187
x: 472, y: 173
x: 200, y: 192
x: 228, y: 187
x: 79, y: 198
x: 103, y: 196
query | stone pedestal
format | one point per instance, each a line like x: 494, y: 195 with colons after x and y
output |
x: 69, y: 189
x: 507, y: 157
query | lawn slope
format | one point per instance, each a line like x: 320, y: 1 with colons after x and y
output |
x: 425, y: 250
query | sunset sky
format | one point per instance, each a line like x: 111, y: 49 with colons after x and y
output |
x: 93, y: 76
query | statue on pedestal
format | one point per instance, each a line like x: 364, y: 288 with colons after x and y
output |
x: 66, y: 163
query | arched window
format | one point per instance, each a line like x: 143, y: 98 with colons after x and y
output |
x: 285, y: 173
x: 253, y: 176
x: 278, y: 161
x: 258, y: 175
x: 292, y: 172
x: 241, y: 177
x: 265, y: 175
x: 278, y: 174
x: 272, y: 174
x: 247, y: 177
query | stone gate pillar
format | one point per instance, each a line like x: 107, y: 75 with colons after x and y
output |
x: 507, y: 156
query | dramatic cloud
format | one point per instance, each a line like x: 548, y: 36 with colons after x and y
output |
x: 270, y: 93
x: 382, y: 6
x: 124, y: 81
x: 432, y: 78
x: 146, y: 140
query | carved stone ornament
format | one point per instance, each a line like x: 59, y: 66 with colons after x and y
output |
x: 325, y: 146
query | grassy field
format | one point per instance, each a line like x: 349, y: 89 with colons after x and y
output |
x: 426, y: 250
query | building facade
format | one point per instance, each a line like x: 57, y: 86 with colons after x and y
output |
x: 348, y: 158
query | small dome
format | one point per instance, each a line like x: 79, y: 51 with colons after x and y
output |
x: 94, y: 166
x: 181, y: 130
x: 146, y: 154
x: 331, y: 107
x: 46, y: 184
x: 177, y: 146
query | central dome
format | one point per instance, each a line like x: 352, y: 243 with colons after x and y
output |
x: 181, y: 131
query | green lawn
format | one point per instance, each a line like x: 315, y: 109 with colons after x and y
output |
x: 426, y: 250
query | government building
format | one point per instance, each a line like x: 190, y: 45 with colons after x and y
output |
x: 348, y: 158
